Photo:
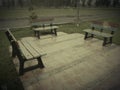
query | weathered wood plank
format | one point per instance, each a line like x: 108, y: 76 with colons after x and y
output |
x: 35, y: 47
x: 25, y: 51
x: 30, y: 49
x: 88, y: 30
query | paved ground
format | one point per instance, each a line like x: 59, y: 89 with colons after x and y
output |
x: 72, y: 63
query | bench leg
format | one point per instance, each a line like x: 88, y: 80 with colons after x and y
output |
x: 40, y: 63
x: 110, y: 39
x: 21, y: 68
x: 35, y: 33
x: 51, y: 30
x: 38, y: 34
x: 105, y: 41
x: 92, y: 35
x: 13, y: 51
x: 55, y: 31
x: 86, y: 34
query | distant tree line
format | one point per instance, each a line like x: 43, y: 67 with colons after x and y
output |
x: 107, y: 3
x: 60, y: 3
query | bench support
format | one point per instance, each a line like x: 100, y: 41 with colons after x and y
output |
x: 22, y: 60
x: 54, y: 31
x: 37, y: 33
x: 110, y: 39
x: 86, y: 35
x: 106, y: 41
x: 21, y: 68
x: 40, y: 63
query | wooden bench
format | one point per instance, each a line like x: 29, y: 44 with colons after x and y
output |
x: 45, y: 27
x: 25, y: 51
x: 105, y: 30
x: 43, y: 24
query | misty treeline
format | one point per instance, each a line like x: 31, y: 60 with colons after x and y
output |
x: 60, y: 3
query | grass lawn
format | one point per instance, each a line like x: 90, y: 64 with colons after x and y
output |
x: 42, y: 12
x: 21, y: 13
x: 8, y: 74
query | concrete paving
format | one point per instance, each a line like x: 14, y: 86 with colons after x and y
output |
x: 73, y: 63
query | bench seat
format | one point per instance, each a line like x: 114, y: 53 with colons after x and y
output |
x: 30, y: 50
x: 53, y: 30
x: 95, y: 32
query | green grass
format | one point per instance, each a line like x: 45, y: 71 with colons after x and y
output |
x: 20, y: 13
x: 23, y: 12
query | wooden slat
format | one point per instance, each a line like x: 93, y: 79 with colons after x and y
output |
x: 30, y: 49
x: 25, y: 51
x: 36, y: 48
x: 88, y: 30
